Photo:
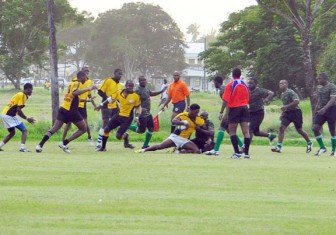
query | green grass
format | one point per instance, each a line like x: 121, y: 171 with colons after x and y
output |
x: 120, y: 192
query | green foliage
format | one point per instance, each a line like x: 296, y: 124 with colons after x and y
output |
x: 139, y: 38
x: 328, y: 60
x: 24, y: 34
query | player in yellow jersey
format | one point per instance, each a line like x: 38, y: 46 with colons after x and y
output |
x: 187, y: 123
x: 68, y: 112
x: 110, y: 87
x: 128, y: 101
x: 83, y: 99
x: 15, y: 106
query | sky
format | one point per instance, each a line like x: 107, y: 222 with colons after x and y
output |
x: 208, y: 14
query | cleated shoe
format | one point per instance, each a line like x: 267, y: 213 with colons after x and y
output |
x: 332, y: 154
x: 139, y: 151
x: 38, y: 149
x: 276, y: 150
x: 126, y: 142
x: 212, y: 152
x: 64, y: 148
x: 236, y: 156
x: 91, y: 142
x: 247, y: 156
x: 309, y: 147
x: 320, y: 152
x: 100, y: 149
x: 143, y: 147
x: 23, y: 150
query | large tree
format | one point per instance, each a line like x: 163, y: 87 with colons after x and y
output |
x: 24, y: 34
x: 139, y: 38
x: 302, y: 14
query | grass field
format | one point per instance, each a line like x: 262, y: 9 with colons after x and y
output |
x: 121, y: 192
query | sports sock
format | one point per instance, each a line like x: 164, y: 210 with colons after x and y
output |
x: 23, y: 146
x: 2, y: 144
x: 240, y: 142
x: 219, y: 139
x: 148, y: 138
x: 333, y: 143
x: 247, y: 142
x: 133, y: 127
x: 279, y: 145
x: 104, y: 141
x: 100, y: 136
x: 320, y: 141
x: 234, y: 141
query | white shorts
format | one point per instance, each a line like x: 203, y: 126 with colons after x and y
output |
x: 178, y: 140
x: 10, y: 121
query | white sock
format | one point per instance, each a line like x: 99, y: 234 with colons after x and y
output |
x: 23, y: 146
x: 2, y: 144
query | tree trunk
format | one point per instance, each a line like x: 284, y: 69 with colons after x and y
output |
x: 310, y: 82
x: 53, y: 60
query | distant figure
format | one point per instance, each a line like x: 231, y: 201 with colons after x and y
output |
x: 164, y: 94
x: 236, y: 97
x: 68, y: 112
x: 13, y: 108
x: 204, y: 138
x: 83, y: 100
x: 145, y: 120
x: 325, y: 112
x: 47, y: 85
x: 179, y: 94
x: 258, y: 96
x: 291, y: 113
x: 110, y: 87
x: 128, y: 101
x: 188, y: 123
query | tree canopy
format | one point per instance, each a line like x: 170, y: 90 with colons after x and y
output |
x: 139, y: 38
x: 24, y: 34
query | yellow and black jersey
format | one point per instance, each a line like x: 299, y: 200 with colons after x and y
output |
x: 16, y: 101
x: 192, y: 124
x: 84, y: 96
x: 127, y: 104
x: 111, y: 88
x: 70, y: 101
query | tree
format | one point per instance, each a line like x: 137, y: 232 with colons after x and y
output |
x: 76, y: 39
x: 139, y: 38
x: 302, y: 14
x: 24, y: 34
x: 328, y: 60
x: 193, y: 30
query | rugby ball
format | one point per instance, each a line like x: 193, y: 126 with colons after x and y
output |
x: 183, y: 127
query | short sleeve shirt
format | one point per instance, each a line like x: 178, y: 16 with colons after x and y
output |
x: 144, y: 94
x: 70, y: 101
x: 111, y: 88
x: 192, y: 124
x: 178, y: 91
x: 16, y: 101
x: 256, y: 99
x: 324, y: 95
x: 84, y: 96
x: 288, y: 97
x: 128, y: 103
x: 236, y: 94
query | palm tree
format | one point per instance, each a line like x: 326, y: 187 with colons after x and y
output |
x: 193, y: 30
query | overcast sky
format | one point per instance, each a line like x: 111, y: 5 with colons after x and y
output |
x: 207, y: 14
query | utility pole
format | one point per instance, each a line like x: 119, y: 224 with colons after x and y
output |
x: 53, y: 60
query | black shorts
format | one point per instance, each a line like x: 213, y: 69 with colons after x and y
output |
x: 146, y: 121
x: 292, y: 116
x: 123, y: 123
x: 69, y: 116
x: 329, y: 117
x: 239, y: 115
x: 109, y: 113
x: 201, y: 144
x: 83, y: 112
x: 256, y: 119
x: 179, y: 107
